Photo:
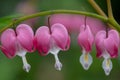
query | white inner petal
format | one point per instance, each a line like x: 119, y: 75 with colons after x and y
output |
x: 107, y: 66
x: 105, y: 54
x: 26, y: 66
x: 86, y: 60
x: 58, y: 64
x: 22, y: 52
x: 107, y: 63
x: 54, y: 49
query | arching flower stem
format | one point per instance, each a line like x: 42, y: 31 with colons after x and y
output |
x: 110, y: 13
x: 97, y: 8
x: 45, y: 13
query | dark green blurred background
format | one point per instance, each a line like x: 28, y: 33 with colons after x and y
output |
x: 42, y: 68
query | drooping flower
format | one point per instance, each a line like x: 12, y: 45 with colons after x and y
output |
x: 107, y: 44
x: 18, y: 43
x: 52, y: 41
x: 85, y: 40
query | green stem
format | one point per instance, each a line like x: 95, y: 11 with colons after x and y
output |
x: 97, y: 8
x: 45, y: 13
x: 115, y: 25
x: 110, y: 13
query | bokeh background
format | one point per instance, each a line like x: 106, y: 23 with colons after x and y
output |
x: 42, y: 68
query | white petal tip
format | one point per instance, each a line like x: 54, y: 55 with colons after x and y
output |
x: 107, y: 66
x: 27, y: 67
x: 86, y: 66
x: 86, y: 60
x: 58, y: 66
x: 107, y: 72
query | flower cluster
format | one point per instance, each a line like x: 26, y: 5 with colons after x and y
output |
x: 92, y: 31
x: 52, y: 39
x: 46, y: 40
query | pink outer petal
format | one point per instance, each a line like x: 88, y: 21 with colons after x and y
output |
x: 111, y: 43
x: 42, y: 40
x: 85, y: 38
x: 68, y: 43
x: 99, y: 39
x: 114, y: 34
x: 60, y: 35
x: 6, y: 52
x: 8, y: 41
x: 25, y: 36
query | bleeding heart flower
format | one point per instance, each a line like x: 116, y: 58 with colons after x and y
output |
x: 85, y: 40
x: 18, y: 43
x: 52, y: 41
x: 107, y: 47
